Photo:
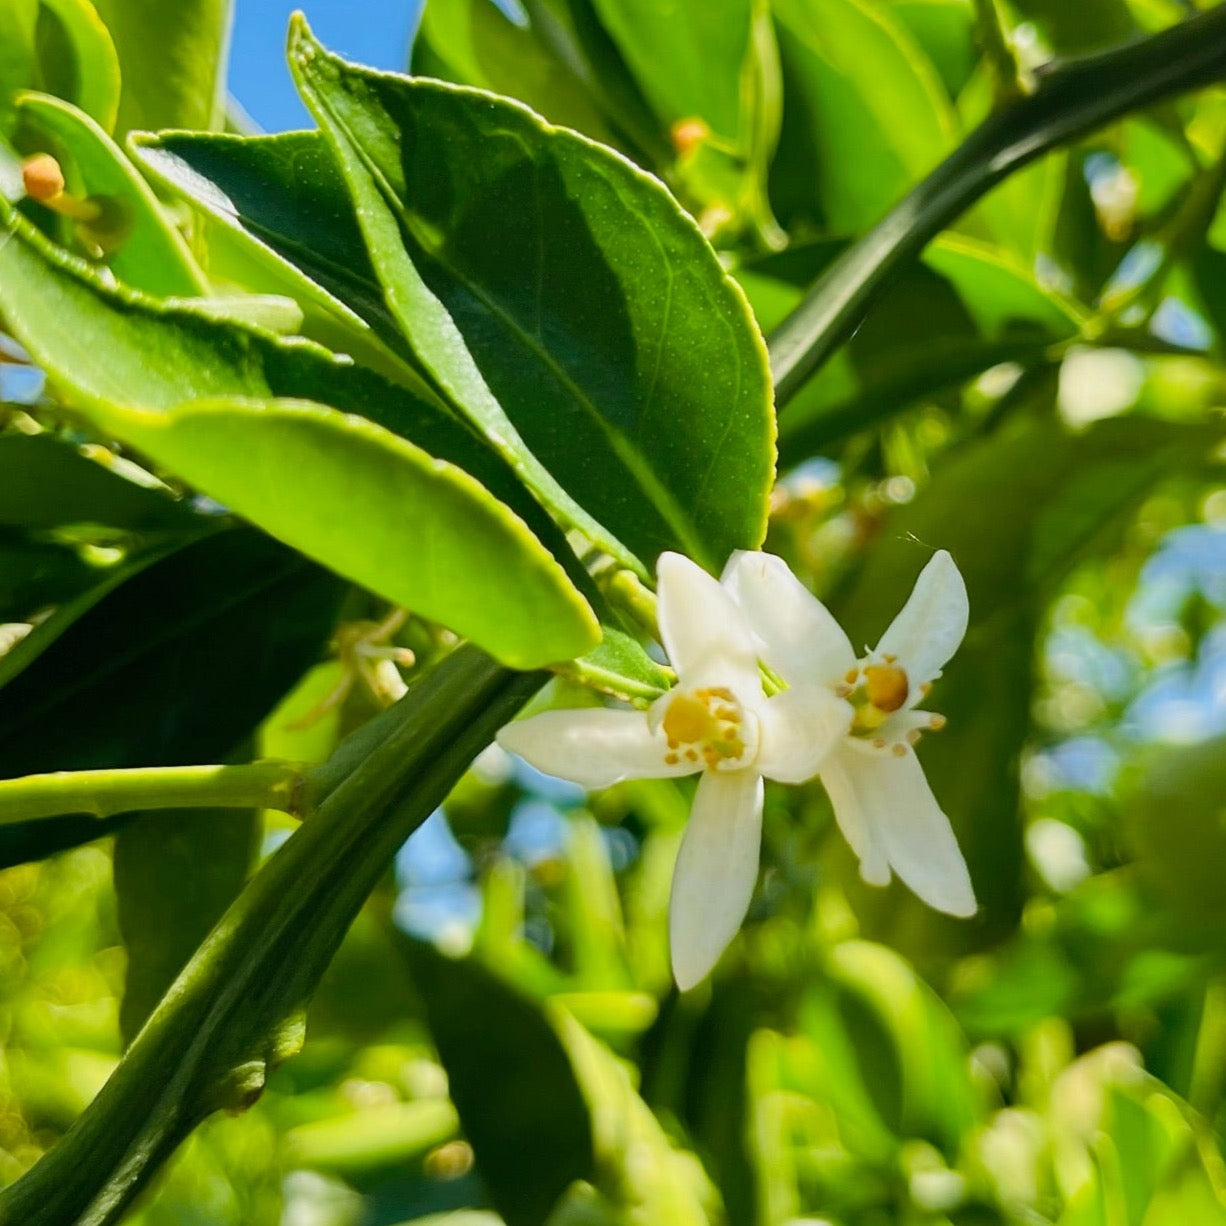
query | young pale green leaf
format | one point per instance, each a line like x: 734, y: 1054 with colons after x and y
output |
x: 62, y: 47
x: 563, y: 302
x: 143, y: 249
x: 376, y: 509
x: 865, y: 113
x: 173, y: 61
x: 160, y: 357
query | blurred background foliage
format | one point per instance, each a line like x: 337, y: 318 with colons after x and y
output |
x: 498, y: 1038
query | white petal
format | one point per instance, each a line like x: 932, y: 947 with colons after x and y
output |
x: 716, y: 871
x: 932, y: 622
x: 901, y: 816
x: 838, y: 780
x: 800, y: 639
x: 706, y: 635
x: 593, y: 747
x: 798, y: 729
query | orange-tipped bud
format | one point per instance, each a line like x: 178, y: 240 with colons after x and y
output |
x: 42, y: 177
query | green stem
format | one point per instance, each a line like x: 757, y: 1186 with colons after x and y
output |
x: 235, y: 1009
x: 103, y: 793
x: 1070, y: 100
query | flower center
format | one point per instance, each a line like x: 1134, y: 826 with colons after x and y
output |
x: 708, y: 727
x: 877, y: 691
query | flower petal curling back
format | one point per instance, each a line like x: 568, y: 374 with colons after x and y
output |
x: 853, y: 723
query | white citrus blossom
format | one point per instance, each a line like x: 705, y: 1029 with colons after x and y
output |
x: 882, y: 801
x: 717, y: 720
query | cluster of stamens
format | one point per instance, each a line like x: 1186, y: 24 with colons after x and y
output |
x: 876, y: 690
x: 705, y: 726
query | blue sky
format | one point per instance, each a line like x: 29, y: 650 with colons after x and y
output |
x: 372, y: 32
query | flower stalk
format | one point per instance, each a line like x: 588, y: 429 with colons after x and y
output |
x: 103, y: 793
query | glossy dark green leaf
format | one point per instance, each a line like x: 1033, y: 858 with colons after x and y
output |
x: 142, y: 248
x: 175, y: 874
x: 511, y: 1081
x: 36, y: 574
x: 46, y: 482
x: 177, y: 665
x: 172, y: 61
x: 543, y: 281
x: 159, y: 358
x: 1017, y: 511
x: 280, y: 221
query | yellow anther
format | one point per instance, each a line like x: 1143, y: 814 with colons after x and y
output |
x: 886, y: 686
x: 936, y: 722
x: 851, y: 676
x: 899, y: 749
x: 671, y: 759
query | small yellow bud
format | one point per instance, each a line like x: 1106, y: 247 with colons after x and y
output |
x: 42, y: 177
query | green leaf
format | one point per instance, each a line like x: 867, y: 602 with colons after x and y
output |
x: 48, y: 483
x: 1172, y: 817
x: 280, y: 221
x: 473, y: 42
x: 511, y: 1081
x: 176, y: 662
x: 541, y: 279
x: 717, y: 64
x: 945, y: 30
x: 62, y: 47
x: 175, y: 874
x: 172, y: 60
x: 1046, y: 500
x: 159, y: 358
x: 865, y: 114
x: 144, y: 249
x: 378, y: 510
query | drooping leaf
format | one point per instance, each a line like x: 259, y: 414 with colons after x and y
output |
x: 172, y: 61
x: 541, y: 281
x: 511, y: 1081
x: 143, y: 248
x: 176, y: 872
x: 1043, y: 499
